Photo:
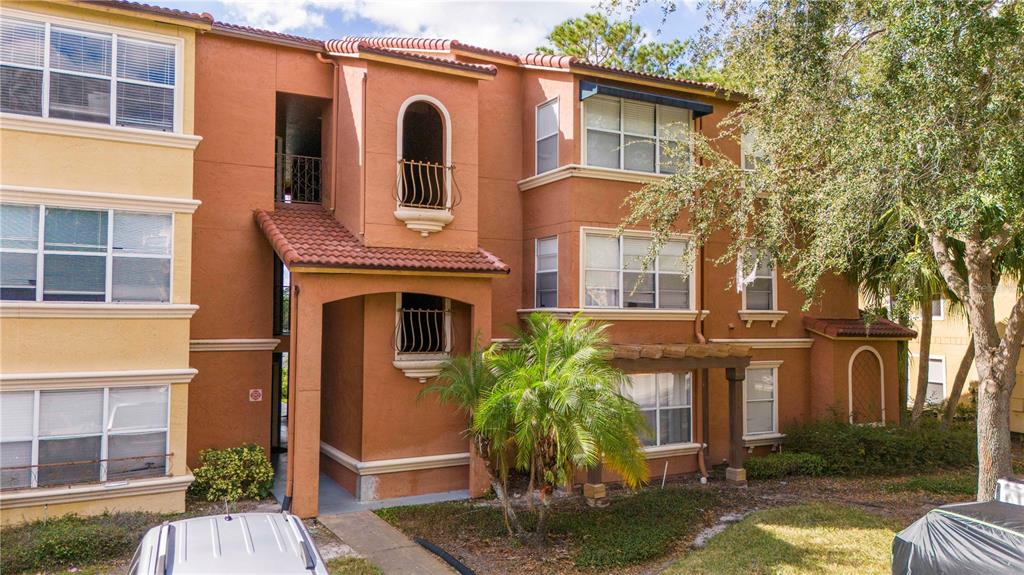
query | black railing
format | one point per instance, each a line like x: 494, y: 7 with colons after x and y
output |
x: 297, y: 179
x: 422, y: 331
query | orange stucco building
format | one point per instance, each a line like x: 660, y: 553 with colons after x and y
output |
x: 371, y: 206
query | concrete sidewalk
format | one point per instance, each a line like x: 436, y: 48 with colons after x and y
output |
x: 383, y: 545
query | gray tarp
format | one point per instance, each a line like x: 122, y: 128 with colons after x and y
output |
x: 966, y: 538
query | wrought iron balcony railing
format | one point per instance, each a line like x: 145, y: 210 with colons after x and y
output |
x: 424, y: 185
x: 423, y: 331
x: 297, y: 179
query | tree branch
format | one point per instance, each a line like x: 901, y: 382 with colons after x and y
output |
x: 998, y: 242
x: 1014, y: 334
x: 948, y: 269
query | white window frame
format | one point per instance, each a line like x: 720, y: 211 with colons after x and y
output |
x: 537, y: 271
x: 105, y: 432
x: 537, y: 137
x: 775, y: 288
x: 658, y: 407
x: 399, y: 355
x: 622, y: 133
x: 40, y: 251
x: 942, y: 309
x: 942, y: 397
x: 774, y: 367
x: 654, y: 269
x: 115, y: 33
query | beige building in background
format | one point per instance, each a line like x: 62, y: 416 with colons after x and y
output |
x: 950, y: 337
x: 96, y: 212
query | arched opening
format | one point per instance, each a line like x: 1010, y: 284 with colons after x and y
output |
x: 867, y: 389
x: 423, y: 181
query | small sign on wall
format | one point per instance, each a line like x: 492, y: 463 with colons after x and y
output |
x: 255, y: 395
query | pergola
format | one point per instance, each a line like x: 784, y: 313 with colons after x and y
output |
x: 674, y: 358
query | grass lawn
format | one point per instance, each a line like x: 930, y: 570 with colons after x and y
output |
x: 798, y: 539
x: 352, y: 566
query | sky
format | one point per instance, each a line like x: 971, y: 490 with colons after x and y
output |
x: 508, y: 25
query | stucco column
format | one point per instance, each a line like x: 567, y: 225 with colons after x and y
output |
x: 737, y: 454
x: 304, y: 401
x: 479, y: 477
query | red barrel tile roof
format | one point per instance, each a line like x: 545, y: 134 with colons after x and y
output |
x: 140, y: 7
x: 308, y: 235
x: 858, y: 328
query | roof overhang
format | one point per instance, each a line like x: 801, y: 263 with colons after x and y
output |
x: 589, y: 89
x: 671, y: 358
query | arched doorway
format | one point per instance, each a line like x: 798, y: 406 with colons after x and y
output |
x: 867, y: 386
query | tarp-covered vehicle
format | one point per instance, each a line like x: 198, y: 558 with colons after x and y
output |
x: 974, y: 538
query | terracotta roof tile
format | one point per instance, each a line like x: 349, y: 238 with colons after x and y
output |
x: 858, y: 328
x: 356, y: 45
x: 426, y: 44
x: 268, y: 34
x: 308, y: 235
x: 140, y: 7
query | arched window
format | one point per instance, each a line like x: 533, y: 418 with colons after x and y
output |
x: 424, y: 147
x: 867, y: 386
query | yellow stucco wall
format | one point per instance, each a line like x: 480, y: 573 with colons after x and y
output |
x: 60, y: 161
x: 950, y: 337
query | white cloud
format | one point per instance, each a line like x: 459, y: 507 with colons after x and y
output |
x: 502, y: 25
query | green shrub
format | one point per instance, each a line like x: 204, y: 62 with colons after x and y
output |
x: 233, y: 474
x: 875, y: 450
x: 784, y: 465
x: 72, y: 541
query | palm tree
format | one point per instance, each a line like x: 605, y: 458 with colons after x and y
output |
x: 464, y: 381
x: 558, y: 399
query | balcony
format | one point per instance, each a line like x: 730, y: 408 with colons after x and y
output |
x: 297, y: 179
x: 423, y: 192
x: 422, y: 340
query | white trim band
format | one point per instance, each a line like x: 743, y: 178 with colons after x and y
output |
x: 93, y: 492
x: 581, y: 171
x: 78, y: 199
x: 96, y: 310
x: 80, y: 379
x: 769, y: 343
x: 393, y: 465
x: 233, y: 344
x: 72, y: 128
x: 620, y: 314
x: 672, y: 450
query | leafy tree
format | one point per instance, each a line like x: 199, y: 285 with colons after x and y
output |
x: 619, y: 44
x: 864, y: 109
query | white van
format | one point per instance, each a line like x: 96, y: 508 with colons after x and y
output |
x: 220, y: 544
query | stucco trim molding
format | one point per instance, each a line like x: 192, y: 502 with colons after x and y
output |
x: 751, y: 315
x: 72, y: 128
x: 96, y: 310
x: 769, y: 343
x: 393, y: 465
x: 581, y: 171
x: 659, y: 451
x: 92, y: 492
x: 79, y: 199
x: 233, y: 344
x: 620, y: 314
x: 751, y: 441
x: 80, y: 379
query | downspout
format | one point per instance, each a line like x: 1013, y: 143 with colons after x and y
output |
x: 293, y: 368
x: 335, y: 82
x: 698, y: 333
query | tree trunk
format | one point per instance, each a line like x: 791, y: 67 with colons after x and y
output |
x: 512, y: 524
x: 993, y: 433
x: 924, y: 352
x: 958, y: 384
x: 541, y: 533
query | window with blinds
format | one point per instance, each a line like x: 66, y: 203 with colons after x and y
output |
x: 55, y: 71
x: 63, y: 437
x: 546, y: 279
x: 617, y: 273
x: 637, y: 136
x: 49, y: 253
x: 759, y: 401
x: 547, y: 136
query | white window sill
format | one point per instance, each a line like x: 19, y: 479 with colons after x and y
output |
x: 671, y: 450
x: 768, y: 315
x: 73, y: 128
x: 33, y: 309
x: 424, y: 220
x: 627, y: 314
x: 594, y: 172
x: 420, y: 366
x: 93, y: 491
x: 763, y: 439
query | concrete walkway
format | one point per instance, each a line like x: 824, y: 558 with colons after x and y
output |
x: 383, y: 545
